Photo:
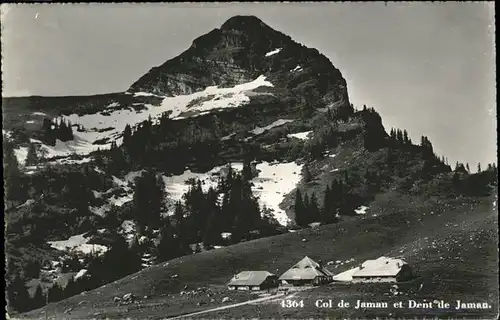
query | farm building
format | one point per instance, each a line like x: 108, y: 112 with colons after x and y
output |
x: 305, y: 273
x: 382, y: 269
x: 253, y: 280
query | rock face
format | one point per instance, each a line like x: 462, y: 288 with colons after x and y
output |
x: 241, y: 50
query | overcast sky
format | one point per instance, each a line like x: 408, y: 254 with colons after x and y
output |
x: 426, y: 67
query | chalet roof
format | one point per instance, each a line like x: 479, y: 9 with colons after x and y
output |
x: 249, y: 278
x: 305, y: 269
x: 382, y: 266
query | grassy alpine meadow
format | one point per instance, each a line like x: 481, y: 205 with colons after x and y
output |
x: 450, y: 244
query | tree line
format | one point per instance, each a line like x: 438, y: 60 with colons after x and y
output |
x: 202, y: 216
x: 336, y: 202
x: 56, y: 129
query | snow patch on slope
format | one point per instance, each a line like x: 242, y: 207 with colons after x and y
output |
x: 95, y: 125
x: 21, y: 155
x: 212, y: 98
x: 361, y: 210
x: 100, y: 211
x: 273, y: 52
x: 300, y: 135
x: 176, y: 186
x: 297, y: 68
x: 143, y: 94
x: 77, y: 243
x: 277, y: 123
x: 80, y: 145
x: 273, y: 182
x: 128, y: 230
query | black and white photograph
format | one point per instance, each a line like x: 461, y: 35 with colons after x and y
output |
x: 250, y: 160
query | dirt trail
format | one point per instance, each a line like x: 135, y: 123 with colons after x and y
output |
x: 230, y: 306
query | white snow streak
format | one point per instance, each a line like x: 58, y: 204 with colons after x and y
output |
x: 80, y: 274
x: 212, y: 98
x: 77, y: 243
x: 361, y: 210
x: 300, y: 135
x: 277, y: 123
x: 273, y: 52
x: 144, y: 94
x: 227, y: 137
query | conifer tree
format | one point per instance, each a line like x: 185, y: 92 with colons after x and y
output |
x: 38, y: 300
x: 307, y: 174
x: 148, y: 199
x: 247, y: 170
x: 399, y: 136
x: 455, y: 179
x: 18, y: 295
x: 169, y: 246
x: 55, y: 293
x: 127, y: 139
x: 71, y: 288
x: 299, y: 209
x: 14, y: 189
x: 32, y: 157
x: 327, y: 205
x: 307, y: 217
x: 313, y: 213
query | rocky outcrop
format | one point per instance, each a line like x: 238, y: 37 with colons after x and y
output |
x: 240, y: 51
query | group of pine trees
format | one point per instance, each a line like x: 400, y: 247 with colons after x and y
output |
x: 18, y: 297
x: 202, y: 216
x: 478, y: 184
x: 401, y: 136
x: 14, y: 183
x: 230, y: 207
x: 119, y: 261
x: 54, y: 129
x: 335, y: 203
x: 164, y: 145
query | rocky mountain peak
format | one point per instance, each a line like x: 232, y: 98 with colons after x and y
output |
x: 244, y: 23
x: 240, y: 51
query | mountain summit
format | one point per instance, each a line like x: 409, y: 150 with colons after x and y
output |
x: 243, y: 49
x: 244, y: 23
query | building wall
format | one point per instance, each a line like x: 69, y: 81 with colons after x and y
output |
x: 405, y: 273
x: 243, y: 288
x: 296, y: 283
x: 373, y: 279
